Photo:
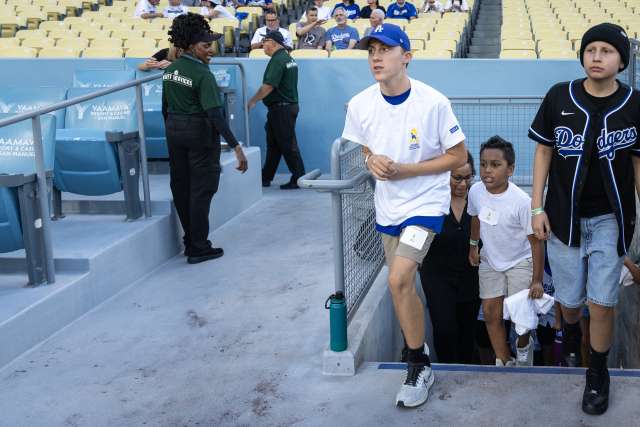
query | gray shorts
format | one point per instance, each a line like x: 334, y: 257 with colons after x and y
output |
x: 395, y: 246
x: 495, y: 284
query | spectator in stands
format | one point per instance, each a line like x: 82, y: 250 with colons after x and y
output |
x: 432, y: 6
x: 371, y: 6
x: 175, y: 8
x: 279, y: 93
x: 161, y: 59
x: 402, y: 9
x: 450, y: 284
x: 272, y: 24
x: 194, y: 119
x: 342, y: 36
x: 192, y: 3
x: 376, y: 18
x: 147, y: 9
x: 213, y: 9
x: 456, y: 6
x: 351, y: 9
x: 310, y: 33
x: 264, y: 4
x: 324, y: 12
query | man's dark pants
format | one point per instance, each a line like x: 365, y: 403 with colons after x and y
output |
x: 281, y: 141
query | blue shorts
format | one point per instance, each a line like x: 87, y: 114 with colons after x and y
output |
x: 592, y: 271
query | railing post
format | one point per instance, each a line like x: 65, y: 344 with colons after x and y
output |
x: 336, y: 206
x: 44, y: 221
x: 143, y: 152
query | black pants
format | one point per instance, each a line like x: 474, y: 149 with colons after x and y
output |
x: 281, y: 141
x: 453, y: 315
x: 194, y: 165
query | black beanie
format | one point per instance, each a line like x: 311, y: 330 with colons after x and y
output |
x: 609, y: 33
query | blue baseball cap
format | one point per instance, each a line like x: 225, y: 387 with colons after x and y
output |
x: 389, y: 34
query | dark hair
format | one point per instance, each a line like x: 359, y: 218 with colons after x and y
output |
x: 270, y: 12
x: 185, y: 27
x: 470, y: 163
x: 506, y: 147
x: 312, y: 9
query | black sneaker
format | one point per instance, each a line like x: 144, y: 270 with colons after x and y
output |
x: 572, y: 360
x: 211, y: 253
x: 289, y: 186
x: 266, y: 183
x: 595, y: 399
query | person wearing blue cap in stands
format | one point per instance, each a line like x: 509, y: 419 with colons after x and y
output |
x: 411, y: 140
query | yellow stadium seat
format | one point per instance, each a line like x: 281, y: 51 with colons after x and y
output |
x: 77, y: 43
x: 554, y: 44
x: 518, y: 54
x: 139, y: 43
x: 251, y: 10
x: 91, y: 15
x: 432, y: 54
x: 158, y: 23
x: 37, y: 43
x: 424, y: 26
x: 518, y: 44
x: 58, y: 52
x: 435, y: 44
x: 52, y: 25
x: 558, y: 54
x: 33, y: 18
x: 106, y: 43
x: 139, y: 52
x: 439, y: 34
x: 28, y: 34
x: 164, y: 43
x: 62, y: 33
x: 329, y: 24
x: 310, y: 53
x: 156, y: 34
x: 258, y: 53
x: 128, y: 34
x: 92, y: 34
x: 349, y: 53
x: 102, y: 52
x: 18, y: 52
x: 73, y: 7
x: 402, y: 23
x: 9, y: 42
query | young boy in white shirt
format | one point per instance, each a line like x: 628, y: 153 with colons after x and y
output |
x: 175, y: 8
x: 411, y: 141
x: 512, y: 259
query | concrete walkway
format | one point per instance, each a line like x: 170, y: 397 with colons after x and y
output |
x: 238, y: 342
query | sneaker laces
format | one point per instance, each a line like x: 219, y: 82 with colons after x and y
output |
x: 415, y: 374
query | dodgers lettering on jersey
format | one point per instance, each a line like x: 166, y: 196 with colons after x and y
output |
x: 569, y: 122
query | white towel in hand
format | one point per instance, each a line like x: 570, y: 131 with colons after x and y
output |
x: 626, y: 279
x: 524, y: 311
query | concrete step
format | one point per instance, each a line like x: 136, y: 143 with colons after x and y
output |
x: 487, y: 34
x: 483, y: 55
x: 483, y: 49
x: 485, y: 42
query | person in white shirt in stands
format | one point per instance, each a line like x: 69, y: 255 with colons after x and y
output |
x: 213, y: 9
x: 273, y: 24
x: 175, y: 8
x: 456, y: 6
x: 324, y: 13
x: 376, y: 18
x: 432, y: 6
x: 147, y: 9
x: 411, y: 141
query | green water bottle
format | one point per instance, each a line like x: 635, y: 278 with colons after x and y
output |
x: 337, y: 306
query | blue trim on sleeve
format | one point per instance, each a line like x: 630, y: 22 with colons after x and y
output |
x: 431, y: 222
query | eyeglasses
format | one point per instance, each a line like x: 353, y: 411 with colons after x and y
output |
x: 458, y: 179
x: 272, y: 20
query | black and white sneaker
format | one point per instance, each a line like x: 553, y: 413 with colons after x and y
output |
x: 415, y: 390
x: 595, y: 399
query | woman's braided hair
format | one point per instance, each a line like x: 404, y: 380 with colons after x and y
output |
x: 185, y: 27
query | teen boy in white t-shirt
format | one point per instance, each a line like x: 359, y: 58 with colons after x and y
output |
x: 512, y: 258
x: 411, y: 141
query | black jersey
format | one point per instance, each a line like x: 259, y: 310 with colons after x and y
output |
x: 571, y: 123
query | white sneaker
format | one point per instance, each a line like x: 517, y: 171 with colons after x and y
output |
x: 415, y: 390
x: 510, y: 362
x: 524, y: 356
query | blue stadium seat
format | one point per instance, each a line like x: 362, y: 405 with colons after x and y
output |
x: 17, y: 167
x: 154, y: 131
x: 85, y: 162
x: 17, y: 100
x: 101, y: 78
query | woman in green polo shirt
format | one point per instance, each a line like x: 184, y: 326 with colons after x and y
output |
x: 194, y: 121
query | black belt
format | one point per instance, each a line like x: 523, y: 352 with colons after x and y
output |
x: 281, y: 104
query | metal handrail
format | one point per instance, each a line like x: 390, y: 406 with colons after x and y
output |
x: 311, y: 181
x: 245, y: 108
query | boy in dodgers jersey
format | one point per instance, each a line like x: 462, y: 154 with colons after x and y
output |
x: 587, y: 135
x: 411, y: 141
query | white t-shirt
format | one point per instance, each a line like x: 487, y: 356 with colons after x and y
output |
x: 436, y: 7
x: 505, y: 223
x: 173, y: 11
x: 223, y: 12
x: 461, y: 6
x: 262, y: 31
x: 422, y: 127
x: 324, y: 12
x: 143, y: 7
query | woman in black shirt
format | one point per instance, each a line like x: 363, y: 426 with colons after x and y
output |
x: 449, y: 282
x: 373, y: 4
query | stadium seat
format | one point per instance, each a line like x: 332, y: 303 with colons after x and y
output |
x: 18, y: 52
x: 59, y: 52
x: 163, y: 44
x: 517, y: 44
x: 52, y: 25
x: 18, y: 100
x: 62, y: 33
x: 350, y: 53
x: 9, y: 42
x: 258, y: 53
x: 140, y: 52
x: 128, y: 34
x: 101, y: 78
x: 156, y: 34
x: 92, y: 33
x: 432, y: 54
x: 154, y: 131
x: 558, y: 54
x: 310, y: 53
x: 28, y: 34
x: 85, y: 162
x: 140, y: 43
x: 37, y: 43
x: 106, y: 43
x: 102, y: 52
x: 77, y: 43
x: 518, y: 54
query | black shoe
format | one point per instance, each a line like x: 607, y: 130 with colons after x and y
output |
x: 266, y: 183
x: 595, y: 399
x: 289, y: 186
x: 211, y: 253
x: 572, y: 360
